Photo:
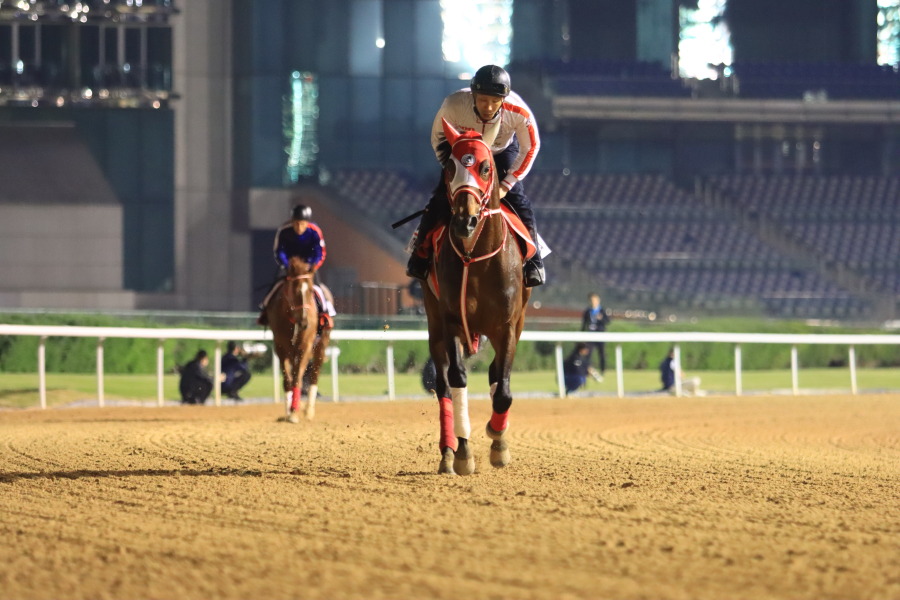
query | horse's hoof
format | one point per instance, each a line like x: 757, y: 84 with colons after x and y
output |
x: 309, y: 412
x: 494, y: 435
x: 499, y: 453
x: 293, y: 417
x: 446, y: 466
x: 463, y: 460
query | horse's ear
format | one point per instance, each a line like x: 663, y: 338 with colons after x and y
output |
x: 449, y: 131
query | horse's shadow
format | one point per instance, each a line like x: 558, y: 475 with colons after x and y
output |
x: 84, y: 473
x: 215, y: 472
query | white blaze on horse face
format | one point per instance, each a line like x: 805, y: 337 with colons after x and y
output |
x: 463, y: 177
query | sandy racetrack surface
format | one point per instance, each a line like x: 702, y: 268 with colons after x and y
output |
x: 761, y: 497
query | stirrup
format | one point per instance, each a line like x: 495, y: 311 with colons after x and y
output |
x: 534, y: 275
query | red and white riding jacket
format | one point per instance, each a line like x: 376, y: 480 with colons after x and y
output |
x: 513, y: 118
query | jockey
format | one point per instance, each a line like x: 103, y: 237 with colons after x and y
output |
x: 302, y: 238
x: 508, y: 126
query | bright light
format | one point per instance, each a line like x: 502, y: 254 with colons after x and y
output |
x: 889, y: 32
x: 379, y: 43
x: 704, y: 39
x: 476, y: 32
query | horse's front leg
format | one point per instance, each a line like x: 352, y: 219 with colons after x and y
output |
x: 302, y: 364
x: 464, y: 460
x: 292, y: 381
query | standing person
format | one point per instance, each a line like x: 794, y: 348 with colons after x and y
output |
x: 508, y: 127
x: 195, y: 384
x: 235, y: 370
x: 297, y: 237
x: 595, y: 318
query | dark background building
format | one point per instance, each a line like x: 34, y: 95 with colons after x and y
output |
x: 203, y: 121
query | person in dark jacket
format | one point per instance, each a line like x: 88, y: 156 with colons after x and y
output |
x: 667, y: 372
x: 196, y: 383
x: 595, y: 318
x: 235, y: 370
x: 576, y: 367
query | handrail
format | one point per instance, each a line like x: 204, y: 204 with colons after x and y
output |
x: 392, y: 335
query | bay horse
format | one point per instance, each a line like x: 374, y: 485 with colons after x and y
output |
x: 475, y: 288
x: 294, y: 318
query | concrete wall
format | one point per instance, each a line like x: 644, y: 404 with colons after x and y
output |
x: 60, y: 248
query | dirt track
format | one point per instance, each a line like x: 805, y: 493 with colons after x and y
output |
x: 774, y: 497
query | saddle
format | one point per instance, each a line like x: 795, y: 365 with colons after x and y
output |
x: 527, y: 246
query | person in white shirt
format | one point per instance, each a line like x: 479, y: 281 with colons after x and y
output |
x: 508, y: 126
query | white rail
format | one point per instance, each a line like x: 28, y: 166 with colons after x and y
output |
x: 389, y: 336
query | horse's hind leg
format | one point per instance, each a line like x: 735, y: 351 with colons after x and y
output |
x: 315, y: 368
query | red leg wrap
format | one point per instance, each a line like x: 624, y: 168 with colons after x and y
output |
x: 295, y: 399
x: 499, y: 422
x: 448, y: 438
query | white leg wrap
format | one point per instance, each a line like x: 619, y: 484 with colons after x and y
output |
x: 461, y: 426
x: 311, y: 395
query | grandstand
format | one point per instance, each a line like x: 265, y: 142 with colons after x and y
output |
x: 752, y: 172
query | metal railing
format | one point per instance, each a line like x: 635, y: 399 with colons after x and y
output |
x: 389, y: 336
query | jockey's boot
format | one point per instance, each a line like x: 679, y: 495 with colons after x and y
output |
x: 263, y: 318
x: 417, y: 267
x: 534, y: 271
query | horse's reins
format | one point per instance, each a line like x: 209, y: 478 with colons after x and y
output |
x: 467, y: 259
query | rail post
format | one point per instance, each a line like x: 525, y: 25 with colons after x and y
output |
x: 100, y: 400
x: 160, y: 370
x: 560, y: 374
x: 42, y: 371
x: 795, y: 380
x: 620, y: 373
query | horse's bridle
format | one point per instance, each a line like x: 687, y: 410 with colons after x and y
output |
x: 484, y: 212
x: 290, y: 296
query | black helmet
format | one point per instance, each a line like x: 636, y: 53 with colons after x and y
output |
x: 301, y: 212
x: 491, y: 80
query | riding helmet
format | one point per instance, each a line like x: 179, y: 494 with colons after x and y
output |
x: 491, y: 80
x: 301, y: 212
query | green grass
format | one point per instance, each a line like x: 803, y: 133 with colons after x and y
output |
x: 21, y: 390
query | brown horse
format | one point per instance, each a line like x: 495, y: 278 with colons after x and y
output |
x: 476, y: 289
x: 294, y: 318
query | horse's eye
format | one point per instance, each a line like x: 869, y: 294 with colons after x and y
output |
x: 484, y: 169
x: 467, y: 160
